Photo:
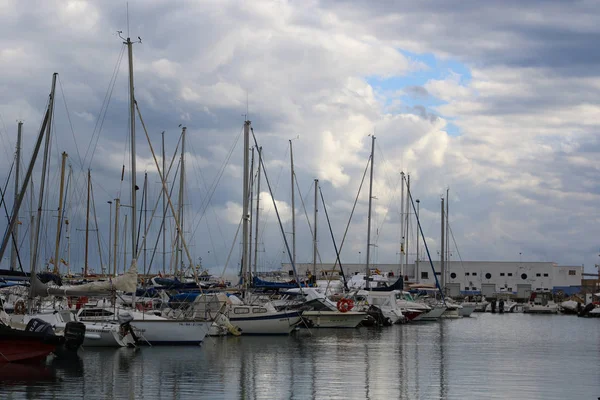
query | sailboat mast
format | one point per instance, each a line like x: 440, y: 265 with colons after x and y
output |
x: 294, y: 206
x: 13, y: 252
x: 179, y: 239
x: 257, y: 211
x: 315, y: 232
x: 407, y: 226
x: 245, y: 212
x: 109, y: 263
x: 125, y: 244
x: 442, y: 266
x: 87, y: 224
x: 402, y: 223
x: 42, y: 187
x: 133, y: 154
x: 60, y: 211
x: 116, y: 234
x: 250, y: 210
x: 447, y: 246
x: 367, y: 269
x: 145, y: 215
x: 164, y: 208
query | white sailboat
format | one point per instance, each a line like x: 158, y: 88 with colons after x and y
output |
x: 250, y: 317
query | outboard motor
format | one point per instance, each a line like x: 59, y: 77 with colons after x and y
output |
x: 493, y: 305
x: 501, y: 306
x: 39, y: 326
x: 586, y: 310
x: 74, y: 335
x: 125, y: 324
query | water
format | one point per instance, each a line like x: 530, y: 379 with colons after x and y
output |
x: 488, y: 356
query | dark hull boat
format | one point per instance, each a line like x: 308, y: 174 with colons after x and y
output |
x: 37, y: 341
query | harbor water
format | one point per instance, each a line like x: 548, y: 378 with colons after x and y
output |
x: 487, y: 356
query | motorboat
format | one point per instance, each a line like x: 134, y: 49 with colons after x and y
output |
x: 321, y: 312
x: 541, y: 303
x: 260, y: 318
x: 385, y: 301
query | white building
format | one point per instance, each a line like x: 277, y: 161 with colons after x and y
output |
x: 472, y: 277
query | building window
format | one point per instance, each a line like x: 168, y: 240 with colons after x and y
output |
x: 545, y: 274
x: 538, y: 274
x: 466, y: 274
x: 453, y: 275
x: 291, y: 272
x: 424, y: 275
x: 501, y: 273
x: 474, y: 288
x: 572, y: 272
x: 523, y: 276
x: 488, y: 276
x: 474, y: 273
x: 509, y: 289
x: 510, y: 274
x: 438, y: 273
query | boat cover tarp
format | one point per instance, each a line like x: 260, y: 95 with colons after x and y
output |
x: 125, y: 283
x: 398, y: 285
x: 259, y: 283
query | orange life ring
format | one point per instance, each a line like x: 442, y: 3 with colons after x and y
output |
x: 345, y: 305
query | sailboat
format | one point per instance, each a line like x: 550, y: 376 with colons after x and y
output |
x: 252, y: 317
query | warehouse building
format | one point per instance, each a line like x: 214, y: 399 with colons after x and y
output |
x: 470, y: 277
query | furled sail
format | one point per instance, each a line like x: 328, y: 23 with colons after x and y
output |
x: 126, y: 283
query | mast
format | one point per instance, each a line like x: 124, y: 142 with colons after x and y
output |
x: 245, y: 212
x: 294, y: 209
x: 417, y: 276
x: 125, y: 244
x: 407, y: 227
x: 164, y: 208
x: 442, y: 266
x: 180, y: 200
x: 68, y: 225
x: 315, y: 232
x: 447, y: 247
x: 257, y: 211
x: 250, y: 211
x: 93, y: 199
x: 42, y: 187
x: 145, y: 214
x: 109, y: 236
x: 133, y: 155
x: 60, y: 212
x: 87, y: 224
x: 15, y: 233
x: 117, y: 206
x: 368, y: 272
x: 402, y: 223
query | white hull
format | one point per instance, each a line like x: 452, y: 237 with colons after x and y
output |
x: 173, y: 332
x: 334, y: 319
x: 466, y: 310
x: 550, y: 309
x: 271, y: 323
x: 101, y: 334
x: 452, y: 312
x: 433, y: 315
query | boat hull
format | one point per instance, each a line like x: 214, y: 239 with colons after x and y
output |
x: 280, y: 323
x: 541, y: 310
x: 466, y: 310
x: 333, y: 319
x: 432, y: 315
x: 170, y: 332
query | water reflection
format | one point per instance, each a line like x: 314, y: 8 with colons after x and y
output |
x: 489, y: 356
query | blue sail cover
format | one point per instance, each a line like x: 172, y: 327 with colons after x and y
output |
x: 259, y: 283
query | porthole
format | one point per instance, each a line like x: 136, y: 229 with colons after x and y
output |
x: 488, y: 276
x: 523, y: 276
x: 453, y: 275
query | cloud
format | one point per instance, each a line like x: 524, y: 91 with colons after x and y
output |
x: 499, y: 101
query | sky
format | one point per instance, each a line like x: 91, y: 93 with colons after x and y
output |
x: 497, y: 101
